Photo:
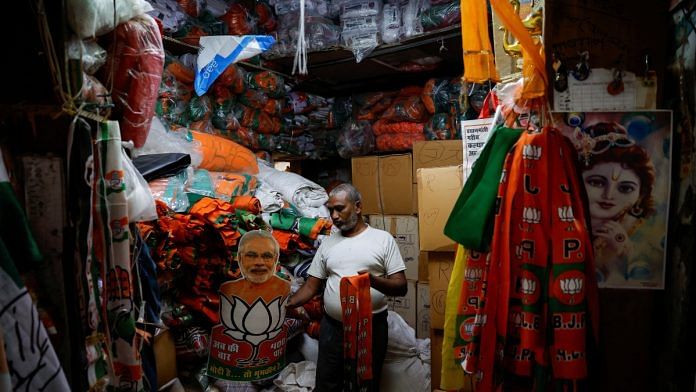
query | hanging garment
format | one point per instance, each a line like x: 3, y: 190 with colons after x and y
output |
x: 526, y: 305
x: 476, y: 43
x: 356, y: 305
x: 111, y: 306
x: 471, y: 221
x: 451, y: 375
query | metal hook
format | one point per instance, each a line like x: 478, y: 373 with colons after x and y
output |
x: 443, y: 48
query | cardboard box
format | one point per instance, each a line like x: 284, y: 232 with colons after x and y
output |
x: 386, y: 184
x: 436, y: 337
x: 165, y: 357
x: 423, y: 267
x: 423, y: 310
x: 406, y: 305
x: 404, y: 228
x: 440, y: 266
x: 436, y: 153
x: 438, y: 190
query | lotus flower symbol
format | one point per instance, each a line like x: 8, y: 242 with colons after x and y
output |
x: 254, y: 323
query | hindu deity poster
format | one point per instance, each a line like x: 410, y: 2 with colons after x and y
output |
x: 625, y: 162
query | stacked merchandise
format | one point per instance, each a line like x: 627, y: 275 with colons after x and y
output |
x: 393, y: 121
x: 188, y: 20
x: 251, y: 108
x: 320, y: 30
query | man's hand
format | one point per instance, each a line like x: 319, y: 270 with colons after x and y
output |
x: 392, y: 285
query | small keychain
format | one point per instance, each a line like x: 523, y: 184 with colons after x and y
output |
x: 616, y: 86
x: 582, y: 69
x: 560, y: 80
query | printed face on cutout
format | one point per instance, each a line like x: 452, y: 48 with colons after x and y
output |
x: 344, y: 213
x: 257, y: 259
x: 611, y: 189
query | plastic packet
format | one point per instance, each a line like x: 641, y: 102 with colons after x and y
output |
x: 381, y: 127
x: 93, y: 91
x: 239, y: 20
x: 440, y: 127
x: 266, y: 81
x: 360, y: 25
x: 169, y: 14
x: 436, y: 95
x: 141, y: 205
x: 171, y: 191
x: 356, y: 138
x: 89, y: 52
x: 391, y: 23
x: 408, y: 109
x: 217, y: 8
x: 160, y: 140
x: 267, y: 21
x: 260, y: 121
x: 440, y: 16
x: 223, y: 117
x: 361, y: 44
x: 410, y: 22
x: 91, y: 18
x: 358, y: 8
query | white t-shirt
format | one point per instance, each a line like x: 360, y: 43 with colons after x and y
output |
x: 373, y: 250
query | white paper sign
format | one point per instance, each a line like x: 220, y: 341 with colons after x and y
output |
x: 474, y: 136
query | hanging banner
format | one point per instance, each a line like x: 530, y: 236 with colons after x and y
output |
x: 249, y: 343
x: 625, y: 160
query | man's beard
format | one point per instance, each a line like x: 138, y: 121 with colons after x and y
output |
x: 350, y: 223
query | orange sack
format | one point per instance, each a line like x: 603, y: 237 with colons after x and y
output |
x: 220, y: 154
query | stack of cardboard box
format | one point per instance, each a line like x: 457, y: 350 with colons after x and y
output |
x: 411, y: 196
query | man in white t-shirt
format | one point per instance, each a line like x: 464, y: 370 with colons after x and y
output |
x: 356, y: 248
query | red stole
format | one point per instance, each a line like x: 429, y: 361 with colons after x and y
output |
x: 356, y: 304
x: 524, y: 307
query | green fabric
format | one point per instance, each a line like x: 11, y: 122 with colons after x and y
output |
x: 471, y: 220
x: 17, y: 242
x: 284, y: 220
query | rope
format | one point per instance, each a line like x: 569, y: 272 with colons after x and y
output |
x: 300, y: 61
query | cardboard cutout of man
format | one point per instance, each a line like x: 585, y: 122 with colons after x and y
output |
x: 249, y: 344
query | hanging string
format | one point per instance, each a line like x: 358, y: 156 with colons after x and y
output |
x: 299, y: 64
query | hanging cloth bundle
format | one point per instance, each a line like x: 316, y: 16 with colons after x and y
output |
x: 356, y: 305
x: 525, y: 306
x: 111, y: 305
x: 476, y: 43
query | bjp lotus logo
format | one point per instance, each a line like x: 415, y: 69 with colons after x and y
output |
x: 253, y: 323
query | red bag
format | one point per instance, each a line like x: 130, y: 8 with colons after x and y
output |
x: 137, y: 75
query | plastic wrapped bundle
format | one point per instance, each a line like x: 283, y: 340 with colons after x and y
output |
x: 173, y: 99
x: 408, y: 109
x: 440, y: 127
x: 391, y: 23
x: 382, y: 127
x: 267, y: 21
x: 440, y: 16
x: 410, y: 22
x: 89, y: 53
x: 270, y: 83
x: 90, y: 18
x: 137, y: 75
x: 260, y: 121
x: 356, y: 138
x: 239, y: 20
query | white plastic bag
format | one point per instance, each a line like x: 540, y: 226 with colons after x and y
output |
x: 391, y: 23
x: 91, y: 18
x: 141, y: 204
x: 407, y: 362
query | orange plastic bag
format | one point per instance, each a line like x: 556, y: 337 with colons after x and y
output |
x: 220, y: 154
x: 406, y: 109
x: 397, y: 141
x: 382, y: 127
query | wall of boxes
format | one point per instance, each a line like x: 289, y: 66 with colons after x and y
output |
x: 411, y: 196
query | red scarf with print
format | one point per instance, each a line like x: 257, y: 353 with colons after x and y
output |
x: 524, y: 307
x: 356, y: 305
